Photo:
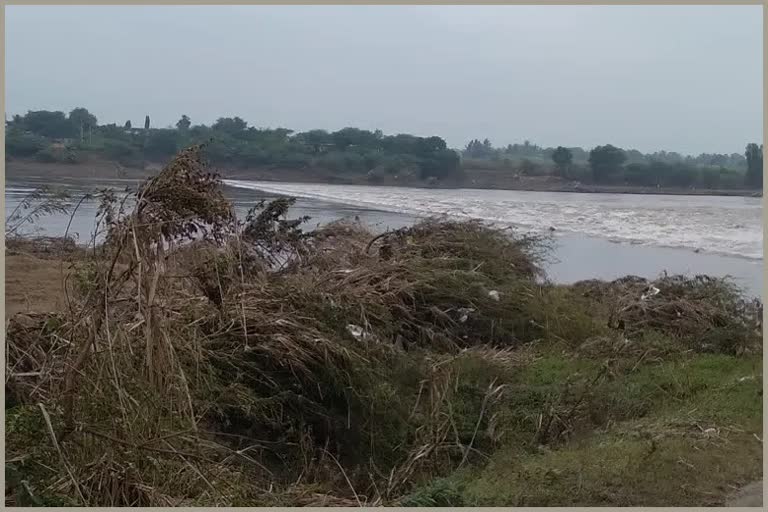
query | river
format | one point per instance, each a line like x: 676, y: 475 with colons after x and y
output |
x: 596, y: 235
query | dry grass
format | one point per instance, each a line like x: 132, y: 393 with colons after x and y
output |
x: 703, y: 313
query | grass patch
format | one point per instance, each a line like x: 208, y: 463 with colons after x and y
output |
x: 682, y: 433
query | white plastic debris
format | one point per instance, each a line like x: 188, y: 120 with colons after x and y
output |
x: 360, y: 333
x: 494, y: 295
x: 356, y: 331
x: 652, y: 290
x: 464, y: 312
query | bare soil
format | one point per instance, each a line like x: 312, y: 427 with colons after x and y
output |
x: 33, y: 284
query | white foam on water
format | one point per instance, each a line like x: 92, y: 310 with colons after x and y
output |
x: 714, y: 224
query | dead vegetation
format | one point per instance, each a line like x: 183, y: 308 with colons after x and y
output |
x: 702, y: 312
x: 205, y: 360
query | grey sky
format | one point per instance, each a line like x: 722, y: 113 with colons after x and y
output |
x: 679, y: 78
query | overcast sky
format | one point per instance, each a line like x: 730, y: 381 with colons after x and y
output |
x: 679, y: 78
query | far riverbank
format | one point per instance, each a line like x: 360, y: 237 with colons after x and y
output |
x: 478, y: 179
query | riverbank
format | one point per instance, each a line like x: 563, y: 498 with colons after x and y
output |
x: 264, y: 365
x: 475, y: 179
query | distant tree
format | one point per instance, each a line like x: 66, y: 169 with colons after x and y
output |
x: 146, y: 122
x: 528, y: 168
x: 480, y: 150
x: 81, y: 117
x: 231, y: 125
x: 128, y: 125
x: 635, y: 157
x: 346, y: 137
x: 19, y: 143
x: 48, y: 124
x: 754, y: 175
x: 472, y: 149
x: 315, y: 139
x: 563, y: 158
x: 122, y: 152
x: 443, y: 163
x: 605, y: 162
x: 161, y: 144
x: 427, y: 147
x: 184, y: 123
x: 710, y: 178
x: 82, y: 121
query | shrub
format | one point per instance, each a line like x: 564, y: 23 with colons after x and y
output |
x: 18, y: 143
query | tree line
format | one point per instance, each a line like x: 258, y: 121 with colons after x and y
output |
x: 230, y: 141
x: 55, y: 136
x: 611, y: 165
x: 484, y: 150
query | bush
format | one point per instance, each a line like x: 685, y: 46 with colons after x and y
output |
x: 731, y: 179
x: 162, y: 144
x: 441, y: 164
x: 294, y: 160
x: 58, y: 155
x: 123, y: 152
x: 580, y: 173
x: 20, y: 144
x: 709, y: 177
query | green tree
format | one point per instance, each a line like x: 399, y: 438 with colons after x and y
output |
x: 639, y: 174
x: 480, y: 150
x: 347, y: 137
x: 82, y: 121
x: 428, y: 146
x: 231, y: 125
x: 184, y: 123
x: 19, y: 143
x: 315, y: 139
x: 443, y: 163
x: 528, y: 168
x: 127, y: 125
x: 81, y: 117
x: 48, y: 124
x: 605, y: 162
x: 112, y: 132
x: 754, y: 175
x: 563, y: 159
x: 161, y: 144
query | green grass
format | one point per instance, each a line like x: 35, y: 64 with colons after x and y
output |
x: 675, y: 433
